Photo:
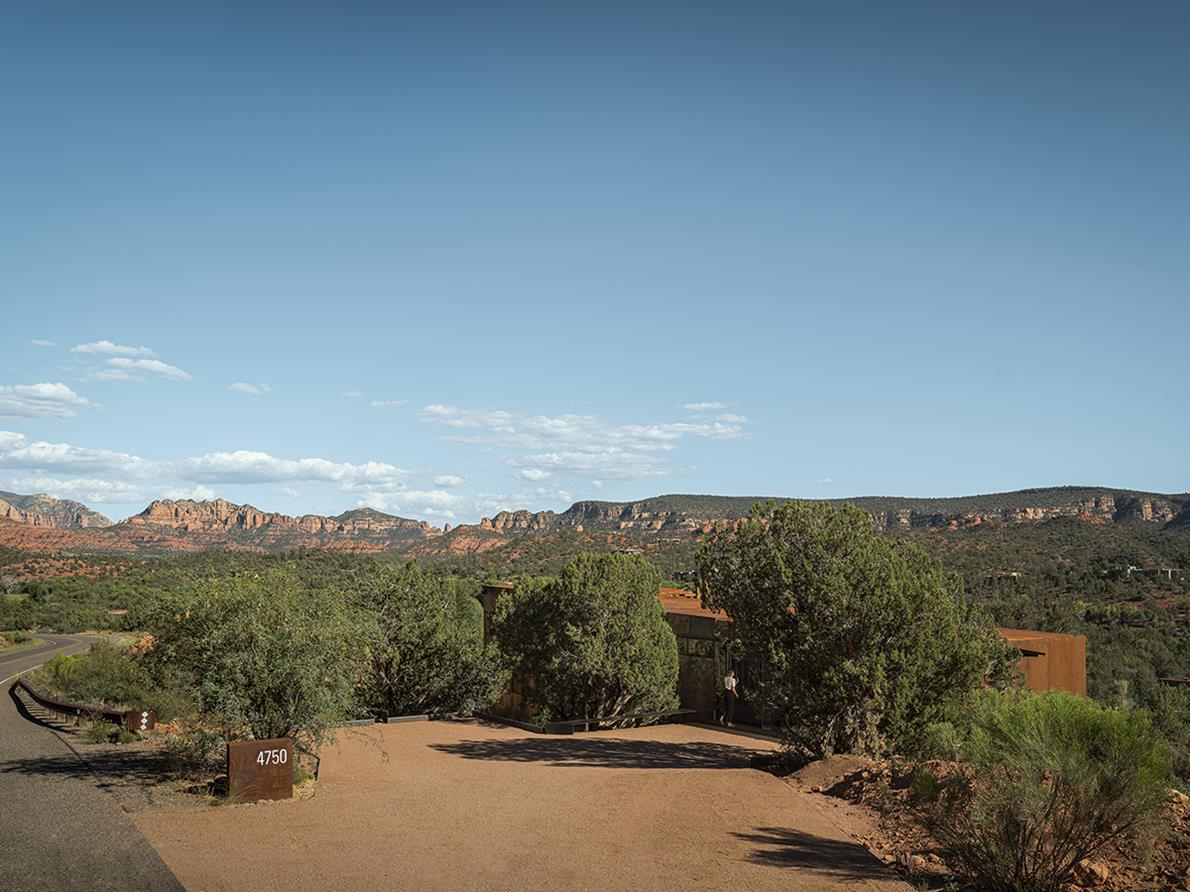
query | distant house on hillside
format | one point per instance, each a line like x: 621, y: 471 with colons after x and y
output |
x: 1049, y: 660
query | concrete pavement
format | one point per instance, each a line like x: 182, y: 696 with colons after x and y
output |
x: 60, y: 831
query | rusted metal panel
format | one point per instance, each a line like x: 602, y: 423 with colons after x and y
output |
x: 140, y: 720
x: 260, y: 769
x: 1051, y: 660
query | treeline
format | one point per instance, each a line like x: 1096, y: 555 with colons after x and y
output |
x: 1071, y: 576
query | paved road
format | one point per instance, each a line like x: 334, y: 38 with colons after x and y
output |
x: 60, y: 831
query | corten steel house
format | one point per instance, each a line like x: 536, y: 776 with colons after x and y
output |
x: 1049, y: 660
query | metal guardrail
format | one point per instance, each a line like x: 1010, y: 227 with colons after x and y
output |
x: 124, y: 719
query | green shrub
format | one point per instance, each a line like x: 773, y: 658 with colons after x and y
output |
x: 424, y: 644
x: 1046, y: 781
x: 593, y: 642
x: 263, y: 654
x: 940, y: 740
x: 125, y: 736
x: 197, y: 753
x: 109, y: 675
x: 104, y: 674
x: 58, y: 674
x: 99, y: 730
x: 862, y: 641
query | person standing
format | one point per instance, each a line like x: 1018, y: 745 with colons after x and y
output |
x: 730, y: 697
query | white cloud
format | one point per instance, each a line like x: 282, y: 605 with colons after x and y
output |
x: 247, y: 466
x: 18, y: 451
x: 253, y: 389
x: 452, y: 416
x: 388, y: 404
x: 114, y: 375
x: 702, y: 407
x: 432, y: 503
x: 39, y: 342
x: 125, y: 477
x: 611, y: 464
x: 84, y: 489
x: 239, y: 467
x: 152, y: 366
x: 353, y: 394
x: 825, y: 481
x: 534, y: 474
x: 732, y: 419
x: 198, y: 493
x: 40, y: 401
x: 598, y: 484
x: 573, y: 444
x: 490, y: 503
x: 110, y: 348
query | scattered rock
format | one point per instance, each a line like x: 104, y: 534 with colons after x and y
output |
x: 1091, y: 873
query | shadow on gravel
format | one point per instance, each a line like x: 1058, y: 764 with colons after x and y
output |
x: 586, y: 752
x: 103, y: 765
x: 838, y: 859
x: 50, y: 720
x: 107, y: 768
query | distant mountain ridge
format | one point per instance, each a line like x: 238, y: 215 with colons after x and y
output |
x: 215, y: 521
x: 186, y: 524
x: 693, y: 512
x: 44, y: 510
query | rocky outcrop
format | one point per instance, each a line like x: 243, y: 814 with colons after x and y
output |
x: 28, y: 537
x: 1103, y: 509
x: 668, y: 515
x: 518, y: 522
x: 209, y: 520
x: 42, y: 510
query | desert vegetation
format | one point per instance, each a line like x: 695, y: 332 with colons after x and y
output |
x: 1040, y: 783
x: 865, y: 640
x: 593, y: 641
x: 422, y: 639
x: 871, y: 644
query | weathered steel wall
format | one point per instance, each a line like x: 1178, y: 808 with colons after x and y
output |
x: 1051, y: 660
x: 698, y: 668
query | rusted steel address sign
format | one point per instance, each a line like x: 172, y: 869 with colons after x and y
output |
x: 260, y: 769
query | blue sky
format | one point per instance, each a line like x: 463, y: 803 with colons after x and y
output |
x: 440, y: 262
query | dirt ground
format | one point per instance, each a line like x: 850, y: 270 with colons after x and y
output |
x: 468, y: 805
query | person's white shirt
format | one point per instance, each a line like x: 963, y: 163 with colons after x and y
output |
x: 729, y: 683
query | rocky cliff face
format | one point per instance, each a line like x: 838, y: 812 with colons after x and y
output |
x: 186, y: 525
x: 519, y: 522
x: 667, y: 514
x: 218, y: 516
x: 1102, y: 509
x: 42, y: 510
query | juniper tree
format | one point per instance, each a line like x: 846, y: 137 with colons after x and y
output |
x: 864, y: 639
x: 423, y: 639
x: 593, y: 642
